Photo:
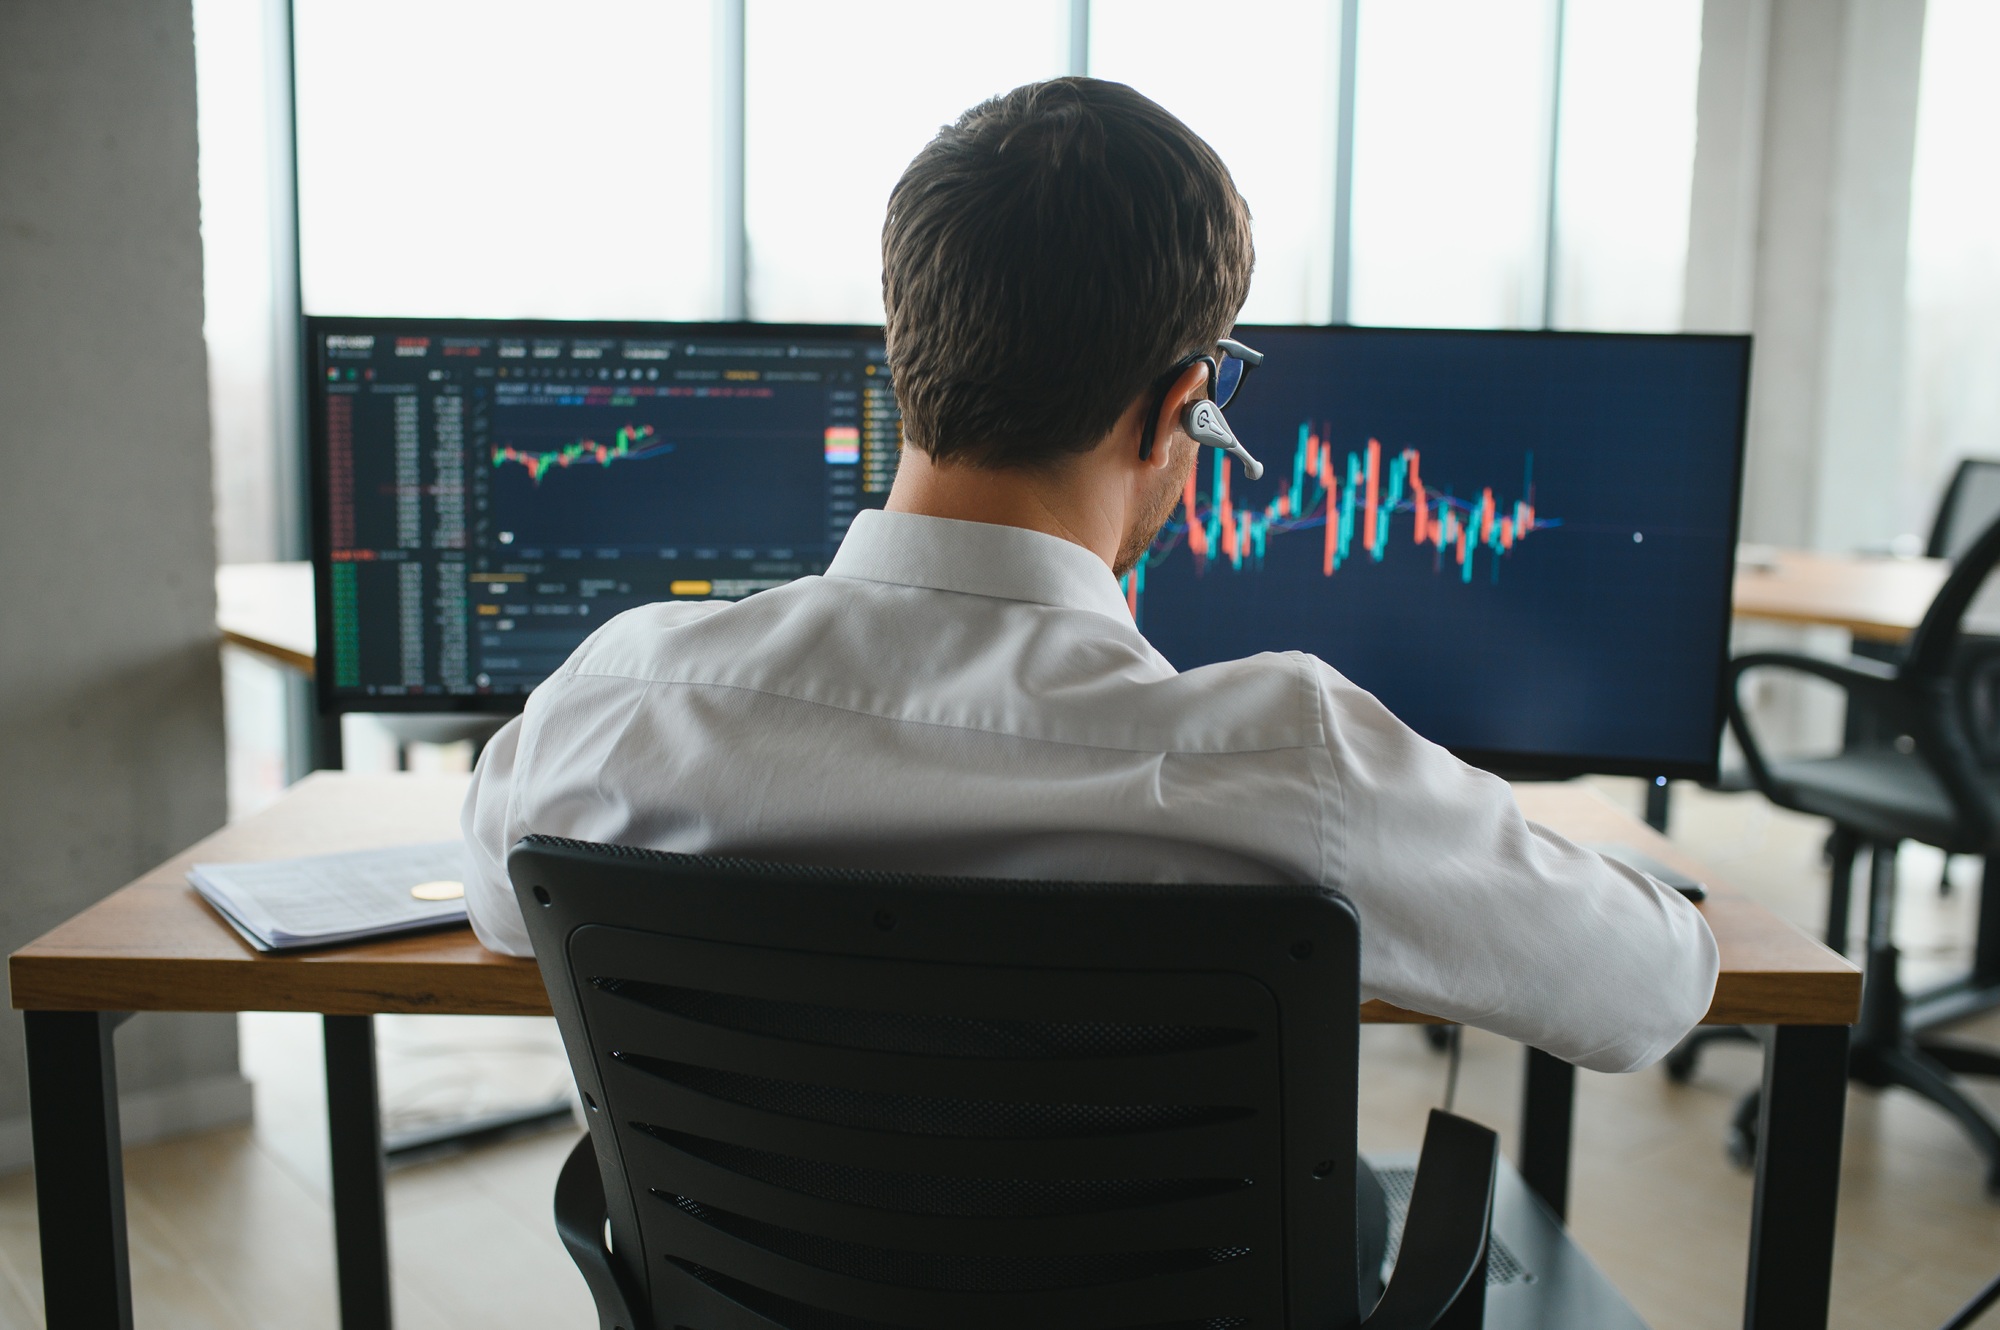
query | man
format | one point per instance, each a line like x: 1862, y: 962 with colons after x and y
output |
x: 965, y: 692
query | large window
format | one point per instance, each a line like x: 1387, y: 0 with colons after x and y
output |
x: 232, y: 45
x: 838, y: 99
x: 1625, y: 161
x: 1954, y: 278
x: 1451, y: 140
x: 1260, y: 83
x: 495, y: 158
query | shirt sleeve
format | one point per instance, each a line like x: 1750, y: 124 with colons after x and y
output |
x: 488, y: 823
x: 1471, y: 912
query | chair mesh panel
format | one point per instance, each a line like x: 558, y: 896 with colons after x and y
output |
x: 955, y: 1272
x: 922, y: 1116
x: 922, y: 1035
x: 802, y: 1316
x: 1399, y: 1184
x: 923, y: 1194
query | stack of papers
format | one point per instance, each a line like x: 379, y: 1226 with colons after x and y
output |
x: 280, y: 904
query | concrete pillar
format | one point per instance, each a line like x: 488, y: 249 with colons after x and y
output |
x: 110, y: 691
x: 1798, y: 233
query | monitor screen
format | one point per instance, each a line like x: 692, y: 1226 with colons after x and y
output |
x: 486, y: 494
x: 1522, y: 543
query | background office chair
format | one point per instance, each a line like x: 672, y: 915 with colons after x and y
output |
x: 1971, y: 503
x: 1932, y: 774
x: 866, y: 1100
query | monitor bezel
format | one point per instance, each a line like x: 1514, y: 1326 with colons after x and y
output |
x: 1522, y: 765
x: 328, y: 701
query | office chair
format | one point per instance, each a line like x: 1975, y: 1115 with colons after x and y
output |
x: 1937, y: 781
x: 860, y: 1101
x: 1970, y: 504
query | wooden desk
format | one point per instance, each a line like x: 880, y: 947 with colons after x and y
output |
x: 1878, y: 599
x: 154, y: 946
x: 268, y: 608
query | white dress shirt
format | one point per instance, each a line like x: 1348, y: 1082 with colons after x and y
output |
x: 953, y: 697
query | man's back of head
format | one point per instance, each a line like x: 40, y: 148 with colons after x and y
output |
x: 1044, y: 260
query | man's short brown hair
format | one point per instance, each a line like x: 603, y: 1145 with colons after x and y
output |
x: 1045, y: 260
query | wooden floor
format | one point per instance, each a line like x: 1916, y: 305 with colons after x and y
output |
x: 230, y: 1231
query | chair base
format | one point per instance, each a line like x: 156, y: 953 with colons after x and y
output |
x: 1960, y: 999
x: 1679, y: 1064
x: 1887, y: 1050
x: 1924, y: 1068
x: 1538, y: 1278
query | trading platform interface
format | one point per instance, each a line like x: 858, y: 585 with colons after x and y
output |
x: 1522, y: 544
x: 488, y: 494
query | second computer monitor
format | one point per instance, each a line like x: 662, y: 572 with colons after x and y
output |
x: 1521, y: 543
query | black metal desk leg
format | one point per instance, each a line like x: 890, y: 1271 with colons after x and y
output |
x: 1548, y: 1101
x: 360, y: 1190
x: 1798, y: 1177
x: 1986, y: 940
x: 79, y: 1170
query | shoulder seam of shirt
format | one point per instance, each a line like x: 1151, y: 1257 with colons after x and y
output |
x: 646, y: 685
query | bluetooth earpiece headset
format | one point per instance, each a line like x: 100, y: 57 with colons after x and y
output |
x: 1203, y: 419
x: 1204, y: 423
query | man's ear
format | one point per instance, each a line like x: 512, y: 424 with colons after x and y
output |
x: 1191, y: 386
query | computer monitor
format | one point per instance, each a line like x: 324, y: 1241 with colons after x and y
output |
x: 486, y: 494
x: 1522, y: 543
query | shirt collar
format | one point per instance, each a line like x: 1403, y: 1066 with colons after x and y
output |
x: 978, y: 559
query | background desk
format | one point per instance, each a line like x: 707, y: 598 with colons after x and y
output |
x: 153, y: 946
x: 267, y: 608
x: 1876, y: 599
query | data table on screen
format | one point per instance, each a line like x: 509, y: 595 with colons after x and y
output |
x: 488, y: 493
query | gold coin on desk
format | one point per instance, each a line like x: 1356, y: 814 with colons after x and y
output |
x: 442, y: 890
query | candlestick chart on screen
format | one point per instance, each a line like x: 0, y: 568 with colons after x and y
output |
x: 646, y: 468
x: 1361, y: 506
x: 630, y: 443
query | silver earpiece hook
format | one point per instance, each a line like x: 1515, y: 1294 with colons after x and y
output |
x: 1204, y: 423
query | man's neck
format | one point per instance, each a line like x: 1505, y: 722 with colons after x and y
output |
x: 1052, y: 501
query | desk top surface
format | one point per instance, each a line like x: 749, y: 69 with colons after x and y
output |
x: 1880, y: 599
x: 156, y: 946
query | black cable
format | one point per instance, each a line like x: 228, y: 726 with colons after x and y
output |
x: 1970, y: 1312
x: 1453, y: 1041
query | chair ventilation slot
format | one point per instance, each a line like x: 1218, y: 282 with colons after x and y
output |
x: 956, y: 1272
x: 802, y: 1316
x: 921, y: 1035
x: 916, y: 1115
x: 927, y: 1194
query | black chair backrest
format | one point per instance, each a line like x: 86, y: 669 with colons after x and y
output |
x: 1948, y: 680
x: 849, y: 1100
x: 1970, y: 504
